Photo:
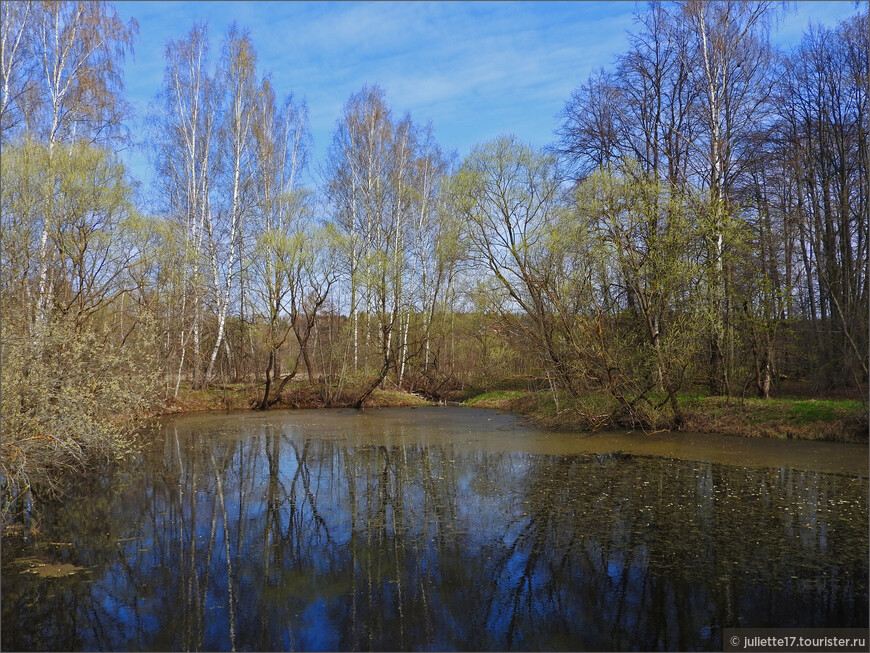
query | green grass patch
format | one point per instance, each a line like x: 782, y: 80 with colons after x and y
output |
x: 809, y: 419
x: 819, y: 410
x: 496, y: 399
x: 393, y: 398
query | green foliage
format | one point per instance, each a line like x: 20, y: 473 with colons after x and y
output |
x: 79, y: 346
x: 603, y: 283
x: 71, y: 400
x: 67, y: 220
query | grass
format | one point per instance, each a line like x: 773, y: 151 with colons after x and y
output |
x: 230, y: 396
x: 842, y: 420
x: 812, y: 410
x: 499, y: 399
x: 392, y: 398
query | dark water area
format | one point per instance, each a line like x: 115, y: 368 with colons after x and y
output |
x: 442, y: 529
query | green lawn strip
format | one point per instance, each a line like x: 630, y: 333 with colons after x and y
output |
x: 813, y: 419
x: 503, y: 399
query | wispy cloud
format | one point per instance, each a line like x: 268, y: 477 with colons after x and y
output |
x: 475, y: 69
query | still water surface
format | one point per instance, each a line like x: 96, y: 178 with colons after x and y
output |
x: 443, y: 529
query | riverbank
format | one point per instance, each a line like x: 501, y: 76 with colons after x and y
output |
x: 37, y: 467
x: 832, y: 420
x: 826, y: 419
x: 245, y: 396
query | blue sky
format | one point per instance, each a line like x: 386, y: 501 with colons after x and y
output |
x: 475, y: 69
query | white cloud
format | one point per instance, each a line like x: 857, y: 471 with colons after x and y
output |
x: 476, y: 69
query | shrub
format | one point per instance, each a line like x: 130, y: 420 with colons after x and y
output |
x: 71, y: 403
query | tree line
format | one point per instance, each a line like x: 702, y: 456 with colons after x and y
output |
x: 700, y: 221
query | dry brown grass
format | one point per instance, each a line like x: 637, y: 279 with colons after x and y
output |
x: 220, y: 397
x: 298, y: 394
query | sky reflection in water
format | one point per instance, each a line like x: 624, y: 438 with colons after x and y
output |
x: 423, y: 530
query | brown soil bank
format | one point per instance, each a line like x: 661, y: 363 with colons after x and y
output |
x: 299, y: 395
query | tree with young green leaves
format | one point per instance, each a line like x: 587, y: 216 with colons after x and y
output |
x: 510, y: 197
x: 381, y: 177
x: 73, y: 384
x: 652, y: 243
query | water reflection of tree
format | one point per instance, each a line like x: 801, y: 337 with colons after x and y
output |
x: 402, y: 526
x: 281, y: 540
x: 296, y: 544
x: 622, y: 552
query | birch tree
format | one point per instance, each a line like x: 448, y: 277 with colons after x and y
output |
x: 76, y: 90
x: 237, y: 75
x: 17, y: 65
x: 283, y: 228
x: 728, y: 58
x: 380, y: 177
x: 185, y: 132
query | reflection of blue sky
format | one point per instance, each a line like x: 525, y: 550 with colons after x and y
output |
x: 318, y: 628
x: 475, y: 546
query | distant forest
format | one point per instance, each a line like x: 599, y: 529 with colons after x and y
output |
x: 699, y: 223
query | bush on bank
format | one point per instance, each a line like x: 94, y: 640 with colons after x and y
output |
x: 72, y: 402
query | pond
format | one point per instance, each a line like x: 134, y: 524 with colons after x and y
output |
x: 443, y: 529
